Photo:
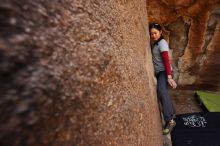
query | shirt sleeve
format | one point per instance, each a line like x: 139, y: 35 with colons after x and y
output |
x: 163, y: 46
x: 166, y: 62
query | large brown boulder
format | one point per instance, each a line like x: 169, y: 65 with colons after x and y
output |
x: 76, y: 73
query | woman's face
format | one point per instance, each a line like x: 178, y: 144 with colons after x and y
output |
x: 155, y: 34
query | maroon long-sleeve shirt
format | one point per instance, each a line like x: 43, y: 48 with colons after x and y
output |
x: 166, y: 62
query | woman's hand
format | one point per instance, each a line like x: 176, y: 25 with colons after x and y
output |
x: 172, y: 83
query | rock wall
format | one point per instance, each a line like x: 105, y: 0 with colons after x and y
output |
x: 76, y: 73
x: 192, y: 29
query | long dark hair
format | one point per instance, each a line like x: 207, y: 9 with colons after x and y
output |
x: 158, y: 27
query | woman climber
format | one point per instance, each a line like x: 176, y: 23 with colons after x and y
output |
x: 163, y: 72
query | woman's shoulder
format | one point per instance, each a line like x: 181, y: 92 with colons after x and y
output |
x: 162, y: 41
x: 163, y: 44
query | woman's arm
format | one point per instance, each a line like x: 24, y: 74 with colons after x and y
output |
x: 166, y: 62
x: 167, y: 66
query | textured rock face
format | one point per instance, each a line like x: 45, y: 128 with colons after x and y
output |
x: 192, y: 29
x: 76, y: 73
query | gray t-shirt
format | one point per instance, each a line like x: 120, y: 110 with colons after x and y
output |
x: 161, y: 46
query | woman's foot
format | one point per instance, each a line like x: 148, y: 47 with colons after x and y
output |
x: 168, y: 127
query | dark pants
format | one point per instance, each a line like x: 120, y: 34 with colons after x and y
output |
x: 162, y: 91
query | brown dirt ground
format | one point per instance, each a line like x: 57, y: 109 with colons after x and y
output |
x: 184, y: 101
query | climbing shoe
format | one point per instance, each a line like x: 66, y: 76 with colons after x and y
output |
x: 168, y: 127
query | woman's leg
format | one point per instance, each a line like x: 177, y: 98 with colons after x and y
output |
x: 162, y: 89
